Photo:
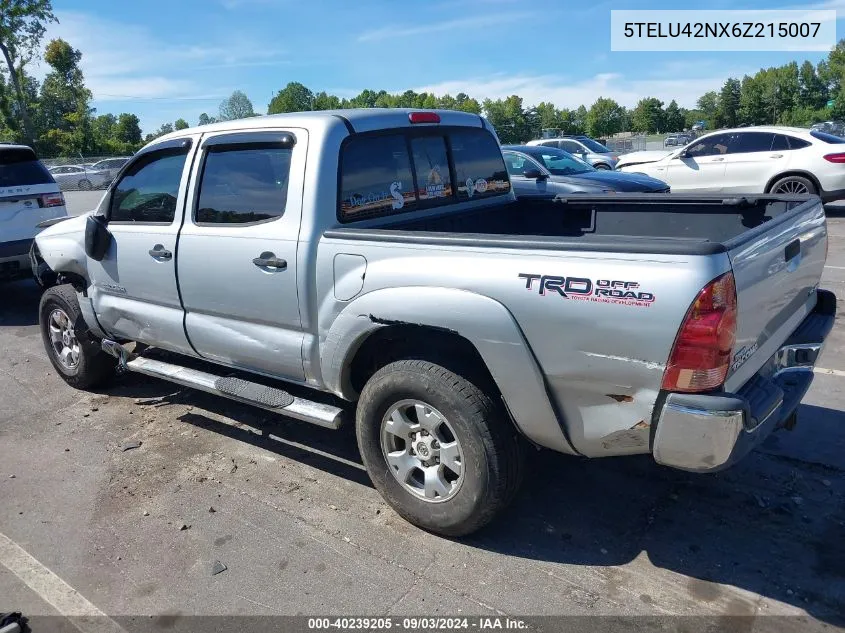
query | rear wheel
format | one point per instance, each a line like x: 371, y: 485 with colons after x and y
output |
x: 794, y: 184
x: 602, y: 166
x: 85, y: 184
x: 73, y: 350
x: 437, y: 446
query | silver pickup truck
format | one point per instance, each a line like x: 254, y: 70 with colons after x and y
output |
x: 377, y: 261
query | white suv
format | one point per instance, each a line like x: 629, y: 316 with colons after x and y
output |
x: 750, y: 160
x: 28, y: 195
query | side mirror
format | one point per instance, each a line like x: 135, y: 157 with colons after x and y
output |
x: 534, y: 174
x: 97, y: 237
x: 683, y: 154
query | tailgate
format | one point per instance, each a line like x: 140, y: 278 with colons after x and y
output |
x: 21, y: 209
x: 777, y: 267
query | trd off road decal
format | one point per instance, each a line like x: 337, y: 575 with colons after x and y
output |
x: 583, y: 289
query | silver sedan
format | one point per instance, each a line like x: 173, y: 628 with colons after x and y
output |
x: 74, y: 177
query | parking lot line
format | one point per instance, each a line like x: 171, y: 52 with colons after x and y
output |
x: 86, y: 617
x: 836, y: 267
x: 829, y: 372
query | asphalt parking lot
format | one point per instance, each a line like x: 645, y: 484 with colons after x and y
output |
x: 87, y: 527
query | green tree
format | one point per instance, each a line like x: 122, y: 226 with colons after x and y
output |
x: 673, y: 117
x: 752, y: 106
x: 325, y: 101
x: 292, y: 98
x: 128, y: 129
x: 180, y: 124
x: 707, y: 104
x: 605, y: 118
x: 648, y: 116
x: 22, y: 26
x: 727, y: 106
x: 237, y: 106
x: 508, y: 119
x: 812, y: 92
x: 467, y: 104
x: 166, y: 128
x: 204, y: 119
x: 63, y: 90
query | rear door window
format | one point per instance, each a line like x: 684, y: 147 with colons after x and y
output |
x: 241, y: 185
x: 750, y: 142
x: 479, y: 166
x: 376, y: 177
x: 780, y: 143
x: 20, y: 167
x: 797, y: 143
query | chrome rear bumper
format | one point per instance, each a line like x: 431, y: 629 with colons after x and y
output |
x: 708, y: 432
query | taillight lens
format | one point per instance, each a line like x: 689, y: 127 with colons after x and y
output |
x: 424, y: 117
x: 52, y: 200
x: 835, y: 158
x: 702, y: 353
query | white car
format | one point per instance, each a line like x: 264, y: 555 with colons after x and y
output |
x: 750, y: 160
x: 80, y: 177
x: 28, y: 195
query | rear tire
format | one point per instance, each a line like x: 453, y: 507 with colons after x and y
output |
x: 603, y: 166
x: 85, y: 185
x: 794, y: 184
x: 74, y: 351
x: 473, y: 435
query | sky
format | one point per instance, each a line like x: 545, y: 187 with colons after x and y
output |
x: 163, y: 60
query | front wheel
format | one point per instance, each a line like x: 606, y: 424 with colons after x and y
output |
x: 73, y: 350
x: 603, y: 166
x: 439, y: 448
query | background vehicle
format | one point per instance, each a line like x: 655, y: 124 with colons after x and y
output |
x: 750, y: 160
x: 539, y: 170
x: 837, y: 128
x: 379, y: 257
x: 110, y: 166
x: 583, y: 147
x: 78, y: 177
x: 28, y: 195
x: 678, y: 139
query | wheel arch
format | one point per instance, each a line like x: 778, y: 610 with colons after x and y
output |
x: 793, y: 172
x: 464, y: 323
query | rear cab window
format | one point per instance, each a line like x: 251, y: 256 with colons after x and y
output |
x: 388, y: 173
x: 20, y: 167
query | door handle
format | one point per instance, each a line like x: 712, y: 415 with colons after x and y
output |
x: 716, y: 160
x: 159, y: 252
x: 776, y: 156
x: 269, y: 260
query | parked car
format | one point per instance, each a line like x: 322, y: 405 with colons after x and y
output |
x: 78, y: 177
x: 750, y: 160
x: 585, y: 148
x: 379, y: 261
x: 537, y: 170
x: 28, y: 195
x: 678, y: 139
x: 110, y: 166
x: 837, y: 128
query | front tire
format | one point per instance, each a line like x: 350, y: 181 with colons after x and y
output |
x: 74, y: 351
x: 439, y: 448
x: 603, y: 166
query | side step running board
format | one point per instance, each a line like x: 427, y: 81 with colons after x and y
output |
x: 253, y: 393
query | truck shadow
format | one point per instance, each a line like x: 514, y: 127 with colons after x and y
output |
x: 773, y: 525
x: 19, y: 306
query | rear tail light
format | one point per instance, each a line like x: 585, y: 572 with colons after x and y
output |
x: 52, y: 200
x: 702, y: 352
x: 835, y: 158
x: 424, y: 117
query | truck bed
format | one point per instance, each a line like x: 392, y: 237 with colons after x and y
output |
x: 680, y: 224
